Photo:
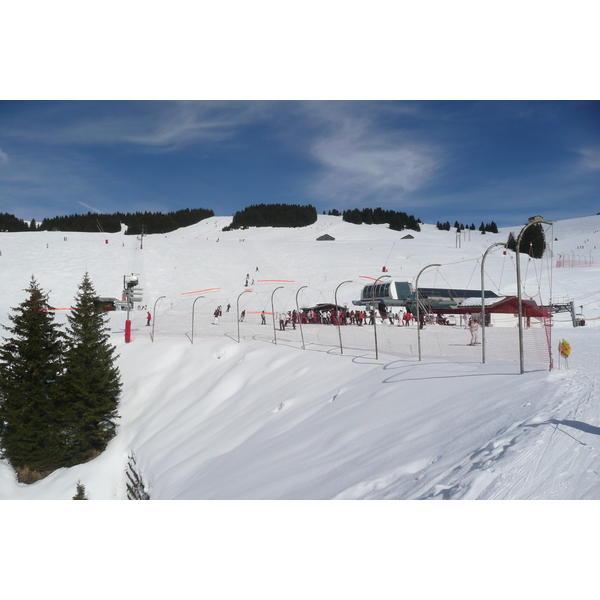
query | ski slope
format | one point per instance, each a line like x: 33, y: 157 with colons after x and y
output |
x: 218, y: 419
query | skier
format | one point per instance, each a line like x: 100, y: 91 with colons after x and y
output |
x: 473, y: 328
x: 148, y: 318
x: 228, y: 307
x: 217, y: 316
x: 263, y: 320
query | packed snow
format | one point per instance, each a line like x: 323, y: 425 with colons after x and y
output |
x: 240, y: 410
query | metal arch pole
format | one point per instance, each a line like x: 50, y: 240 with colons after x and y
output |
x: 154, y: 317
x: 299, y: 317
x: 418, y: 313
x: 237, y: 310
x: 193, y: 305
x: 483, y: 299
x: 273, y: 311
x: 336, y: 308
x: 375, y: 316
x: 519, y: 299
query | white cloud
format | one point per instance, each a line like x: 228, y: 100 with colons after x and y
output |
x: 362, y: 161
x: 156, y: 125
x: 3, y: 157
x: 590, y: 158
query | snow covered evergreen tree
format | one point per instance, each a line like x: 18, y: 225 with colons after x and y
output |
x: 30, y: 369
x: 91, y: 383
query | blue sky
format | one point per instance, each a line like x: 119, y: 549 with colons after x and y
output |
x: 470, y: 161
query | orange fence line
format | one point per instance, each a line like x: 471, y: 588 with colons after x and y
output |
x: 200, y: 291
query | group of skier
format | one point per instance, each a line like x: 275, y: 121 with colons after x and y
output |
x: 342, y: 317
x: 335, y: 317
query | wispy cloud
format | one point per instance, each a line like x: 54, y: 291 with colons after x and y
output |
x: 152, y: 125
x: 365, y: 162
x: 590, y: 158
x: 3, y: 157
x: 46, y: 185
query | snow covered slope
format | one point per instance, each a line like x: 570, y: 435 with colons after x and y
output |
x: 218, y: 419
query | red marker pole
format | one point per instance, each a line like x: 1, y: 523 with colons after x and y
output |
x: 127, y: 331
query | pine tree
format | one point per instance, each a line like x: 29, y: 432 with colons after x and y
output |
x: 533, y: 241
x: 91, y: 384
x: 80, y: 492
x: 30, y: 368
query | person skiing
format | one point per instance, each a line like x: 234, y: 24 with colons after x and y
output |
x: 263, y: 320
x: 148, y: 318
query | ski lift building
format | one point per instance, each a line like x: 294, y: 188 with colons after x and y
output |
x: 503, y: 311
x: 402, y: 294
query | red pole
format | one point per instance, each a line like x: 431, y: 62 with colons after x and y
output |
x: 127, y: 331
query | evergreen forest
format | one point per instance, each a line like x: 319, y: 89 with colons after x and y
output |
x: 9, y: 222
x: 273, y: 215
x: 138, y: 222
x: 398, y: 221
x: 483, y: 228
